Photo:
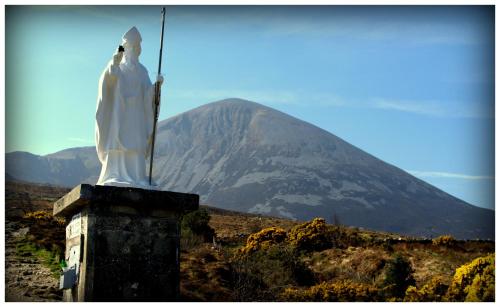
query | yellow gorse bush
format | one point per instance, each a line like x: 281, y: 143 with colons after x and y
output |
x: 433, y: 291
x: 445, y: 240
x: 38, y: 215
x: 310, y: 235
x: 44, y: 216
x: 264, y: 239
x: 474, y: 281
x: 339, y: 291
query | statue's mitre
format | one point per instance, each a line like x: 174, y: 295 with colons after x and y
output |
x: 132, y: 36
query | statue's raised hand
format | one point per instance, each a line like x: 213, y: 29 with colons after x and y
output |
x: 159, y: 79
x: 117, y: 57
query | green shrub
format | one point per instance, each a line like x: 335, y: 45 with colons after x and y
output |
x: 289, y: 261
x: 398, y: 276
x: 310, y: 236
x: 343, y: 237
x: 339, y: 291
x: 189, y: 240
x: 196, y: 223
x: 270, y: 270
x: 248, y: 286
x: 474, y: 281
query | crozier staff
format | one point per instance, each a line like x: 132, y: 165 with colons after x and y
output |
x: 157, y: 97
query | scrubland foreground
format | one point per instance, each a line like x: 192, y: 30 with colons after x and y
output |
x: 230, y: 256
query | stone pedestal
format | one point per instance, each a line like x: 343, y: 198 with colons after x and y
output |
x: 123, y: 243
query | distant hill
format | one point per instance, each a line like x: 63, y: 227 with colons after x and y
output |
x: 65, y: 168
x: 244, y: 156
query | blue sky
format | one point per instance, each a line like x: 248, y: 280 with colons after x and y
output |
x: 411, y: 85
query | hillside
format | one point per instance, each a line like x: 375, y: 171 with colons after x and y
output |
x: 243, y: 156
x: 215, y: 272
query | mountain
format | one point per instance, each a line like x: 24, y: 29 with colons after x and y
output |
x: 67, y: 168
x: 244, y: 156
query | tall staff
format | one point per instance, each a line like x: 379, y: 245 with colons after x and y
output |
x: 157, y: 96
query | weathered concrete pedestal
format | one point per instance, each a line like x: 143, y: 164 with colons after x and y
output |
x: 123, y: 243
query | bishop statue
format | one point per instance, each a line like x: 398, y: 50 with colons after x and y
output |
x: 125, y: 116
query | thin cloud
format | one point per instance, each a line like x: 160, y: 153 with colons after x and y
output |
x: 80, y: 140
x: 406, y: 26
x: 432, y: 33
x: 408, y: 106
x: 426, y: 174
x: 435, y: 108
x: 323, y: 99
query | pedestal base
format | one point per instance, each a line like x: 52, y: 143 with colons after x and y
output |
x: 123, y: 242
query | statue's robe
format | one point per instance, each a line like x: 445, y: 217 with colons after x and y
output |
x: 124, y: 124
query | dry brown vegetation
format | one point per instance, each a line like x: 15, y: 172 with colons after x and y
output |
x: 352, y: 265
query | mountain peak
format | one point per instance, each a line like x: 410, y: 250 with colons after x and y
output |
x: 241, y: 155
x: 232, y: 103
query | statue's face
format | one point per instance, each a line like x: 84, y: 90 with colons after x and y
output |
x: 137, y: 50
x: 134, y: 50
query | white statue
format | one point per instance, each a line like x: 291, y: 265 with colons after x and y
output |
x: 125, y: 116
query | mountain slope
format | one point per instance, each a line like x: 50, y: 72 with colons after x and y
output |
x: 243, y: 156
